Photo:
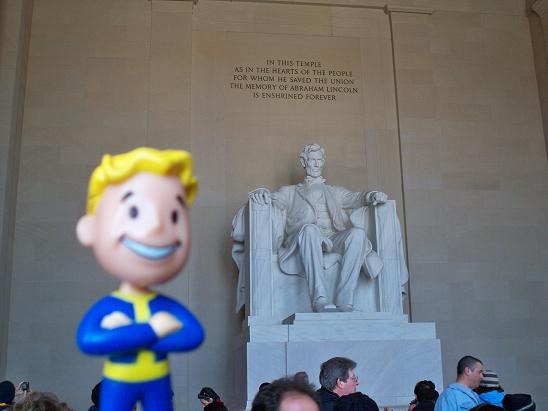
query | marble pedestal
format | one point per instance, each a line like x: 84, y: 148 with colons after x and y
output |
x: 392, y: 354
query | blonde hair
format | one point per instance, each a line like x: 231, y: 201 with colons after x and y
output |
x: 119, y: 168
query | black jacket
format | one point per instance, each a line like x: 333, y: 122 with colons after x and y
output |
x: 327, y: 399
x: 425, y: 406
x: 355, y: 402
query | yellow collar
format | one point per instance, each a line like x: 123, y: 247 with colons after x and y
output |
x: 135, y: 298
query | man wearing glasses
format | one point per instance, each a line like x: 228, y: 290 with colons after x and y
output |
x: 337, y: 379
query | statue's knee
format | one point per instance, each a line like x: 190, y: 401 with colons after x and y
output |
x: 310, y: 230
x: 310, y: 234
x: 357, y: 235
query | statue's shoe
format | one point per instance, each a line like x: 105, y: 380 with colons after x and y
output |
x: 345, y: 308
x: 320, y: 305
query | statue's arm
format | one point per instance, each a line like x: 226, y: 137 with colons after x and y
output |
x: 352, y: 200
x: 279, y: 199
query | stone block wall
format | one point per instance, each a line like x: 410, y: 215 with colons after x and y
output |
x: 476, y: 188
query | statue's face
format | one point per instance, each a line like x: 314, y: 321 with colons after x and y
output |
x: 314, y: 164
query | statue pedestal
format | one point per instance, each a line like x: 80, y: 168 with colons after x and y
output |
x: 392, y: 354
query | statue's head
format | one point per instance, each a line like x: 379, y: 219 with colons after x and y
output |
x: 313, y: 159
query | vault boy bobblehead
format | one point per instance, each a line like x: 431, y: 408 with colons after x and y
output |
x: 137, y: 224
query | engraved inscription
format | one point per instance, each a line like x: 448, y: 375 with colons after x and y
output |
x: 291, y: 79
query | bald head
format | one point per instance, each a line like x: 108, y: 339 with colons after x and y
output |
x: 286, y: 394
x: 296, y: 401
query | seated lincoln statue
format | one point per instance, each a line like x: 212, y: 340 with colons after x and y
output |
x: 319, y: 219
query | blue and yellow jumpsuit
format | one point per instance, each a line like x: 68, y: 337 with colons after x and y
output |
x: 137, y: 368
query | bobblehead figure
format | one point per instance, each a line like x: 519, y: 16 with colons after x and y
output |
x: 137, y: 224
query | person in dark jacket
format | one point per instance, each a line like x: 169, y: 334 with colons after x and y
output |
x: 207, y: 396
x: 355, y: 402
x: 425, y: 396
x: 95, y: 395
x: 7, y: 394
x: 216, y: 405
x: 337, y: 379
x: 486, y: 407
x: 518, y: 402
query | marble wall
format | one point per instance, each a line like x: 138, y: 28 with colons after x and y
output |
x: 538, y: 23
x: 14, y: 40
x: 448, y: 84
x: 102, y: 77
x: 476, y: 188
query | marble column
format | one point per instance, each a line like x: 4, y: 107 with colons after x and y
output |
x: 539, y: 33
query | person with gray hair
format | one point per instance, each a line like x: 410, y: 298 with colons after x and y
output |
x: 317, y: 221
x: 337, y: 378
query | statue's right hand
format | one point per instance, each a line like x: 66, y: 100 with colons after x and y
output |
x: 260, y: 196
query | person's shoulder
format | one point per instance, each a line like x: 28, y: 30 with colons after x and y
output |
x: 455, y: 386
x: 456, y: 389
x: 326, y: 395
x: 357, y: 400
x: 447, y: 394
x: 370, y: 403
x: 324, y: 391
x: 446, y: 401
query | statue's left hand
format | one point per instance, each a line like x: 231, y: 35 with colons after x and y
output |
x: 260, y: 196
x: 376, y: 197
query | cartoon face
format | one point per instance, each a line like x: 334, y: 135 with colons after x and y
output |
x: 140, y: 230
x: 314, y: 164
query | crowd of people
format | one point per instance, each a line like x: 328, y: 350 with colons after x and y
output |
x: 20, y: 398
x: 475, y: 389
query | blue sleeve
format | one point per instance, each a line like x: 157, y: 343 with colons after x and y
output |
x: 95, y: 340
x: 446, y: 402
x: 187, y: 338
